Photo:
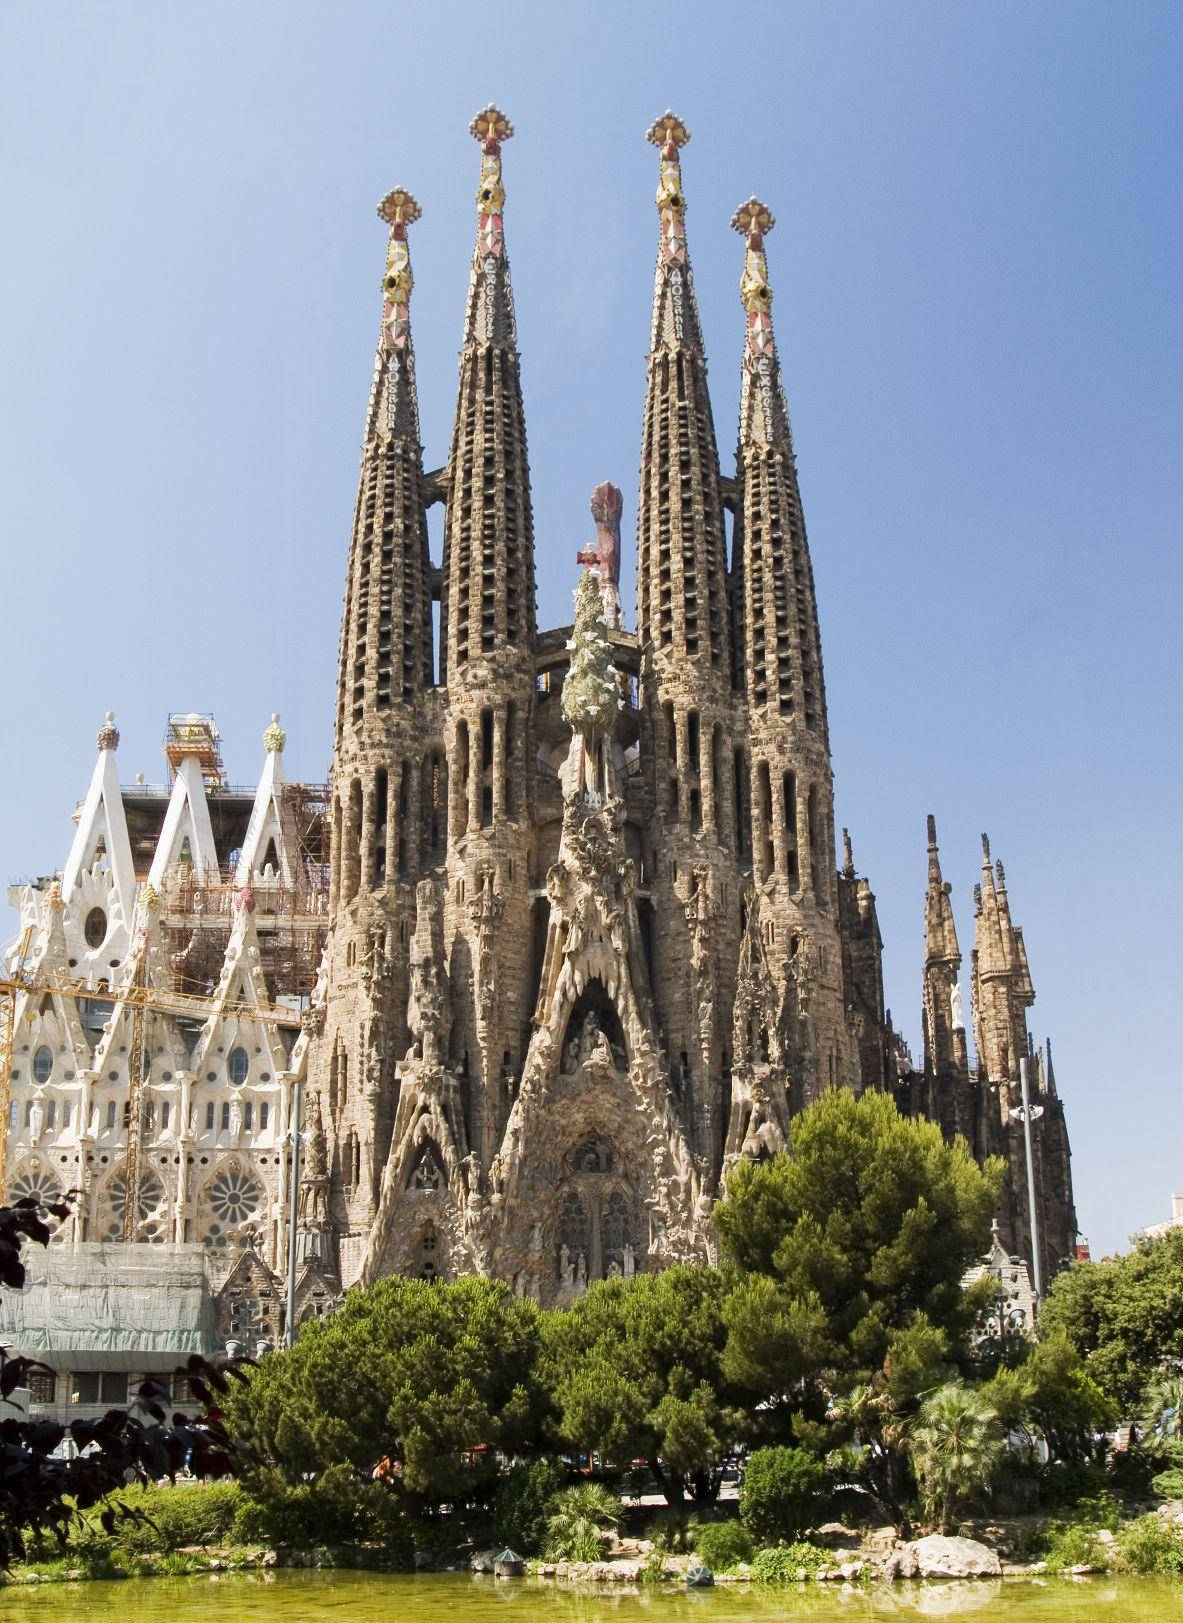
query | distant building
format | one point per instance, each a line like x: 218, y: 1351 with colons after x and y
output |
x: 1017, y: 1303
x: 106, y: 1316
x: 1155, y: 1231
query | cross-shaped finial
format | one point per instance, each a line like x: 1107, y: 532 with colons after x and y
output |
x: 398, y: 207
x: 668, y: 130
x: 490, y: 127
x: 753, y: 217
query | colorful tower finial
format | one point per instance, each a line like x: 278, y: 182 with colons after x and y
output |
x: 669, y: 135
x: 491, y: 128
x: 109, y: 733
x: 274, y: 737
x: 754, y: 220
x: 399, y: 209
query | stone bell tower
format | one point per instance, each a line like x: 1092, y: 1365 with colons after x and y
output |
x: 487, y: 629
x: 800, y: 1027
x: 384, y: 683
x: 694, y: 726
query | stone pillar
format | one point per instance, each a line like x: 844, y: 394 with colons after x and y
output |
x: 682, y: 733
x: 498, y: 765
x: 706, y: 770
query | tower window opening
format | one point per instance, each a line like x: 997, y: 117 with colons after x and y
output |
x: 694, y: 741
x: 95, y: 928
x: 486, y: 739
x: 237, y: 1066
x: 42, y: 1065
x: 789, y: 798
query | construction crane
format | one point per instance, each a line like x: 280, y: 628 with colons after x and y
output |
x: 144, y: 1001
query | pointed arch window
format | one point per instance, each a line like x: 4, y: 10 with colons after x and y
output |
x: 238, y: 1065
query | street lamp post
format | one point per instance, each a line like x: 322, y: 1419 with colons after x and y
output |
x: 1027, y: 1113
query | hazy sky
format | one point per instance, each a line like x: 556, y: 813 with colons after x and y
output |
x: 977, y: 275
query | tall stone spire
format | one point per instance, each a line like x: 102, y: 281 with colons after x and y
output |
x: 488, y: 607
x: 682, y: 608
x: 684, y: 626
x: 1002, y: 994
x: 783, y: 654
x: 386, y: 631
x: 946, y: 1066
x: 792, y: 794
x: 488, y: 634
x: 1001, y: 978
x: 386, y: 680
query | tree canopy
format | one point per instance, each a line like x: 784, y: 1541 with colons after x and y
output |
x: 415, y: 1379
x: 862, y: 1233
x: 1123, y: 1315
x: 635, y: 1370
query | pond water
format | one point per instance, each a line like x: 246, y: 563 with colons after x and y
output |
x: 368, y: 1597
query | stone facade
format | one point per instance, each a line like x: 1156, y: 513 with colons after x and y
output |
x: 565, y: 935
x: 613, y: 952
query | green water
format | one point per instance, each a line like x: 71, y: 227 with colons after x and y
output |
x: 294, y: 1596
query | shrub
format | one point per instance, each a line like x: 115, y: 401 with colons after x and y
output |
x: 786, y: 1562
x: 672, y: 1531
x: 1071, y: 1483
x: 1150, y: 1546
x: 1169, y: 1484
x: 723, y: 1545
x: 783, y: 1490
x: 338, y: 1508
x: 578, y: 1520
x: 172, y: 1518
x: 523, y: 1503
x: 1073, y: 1544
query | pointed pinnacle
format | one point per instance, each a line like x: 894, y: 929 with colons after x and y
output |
x: 932, y: 832
x: 985, y: 849
x: 668, y: 130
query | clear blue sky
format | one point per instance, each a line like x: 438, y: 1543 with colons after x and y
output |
x: 977, y: 269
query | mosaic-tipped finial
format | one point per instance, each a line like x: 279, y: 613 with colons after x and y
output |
x: 491, y: 128
x: 109, y: 733
x: 274, y: 737
x: 667, y: 131
x: 399, y: 209
x: 753, y: 218
x: 669, y: 134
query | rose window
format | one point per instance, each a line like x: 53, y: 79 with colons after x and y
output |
x: 232, y: 1199
x: 34, y: 1184
x: 151, y: 1213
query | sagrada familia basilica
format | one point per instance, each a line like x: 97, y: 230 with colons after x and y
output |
x: 565, y: 935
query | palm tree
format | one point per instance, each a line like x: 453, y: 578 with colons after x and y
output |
x: 579, y: 1518
x: 1163, y: 1413
x: 867, y: 1418
x: 955, y: 1444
